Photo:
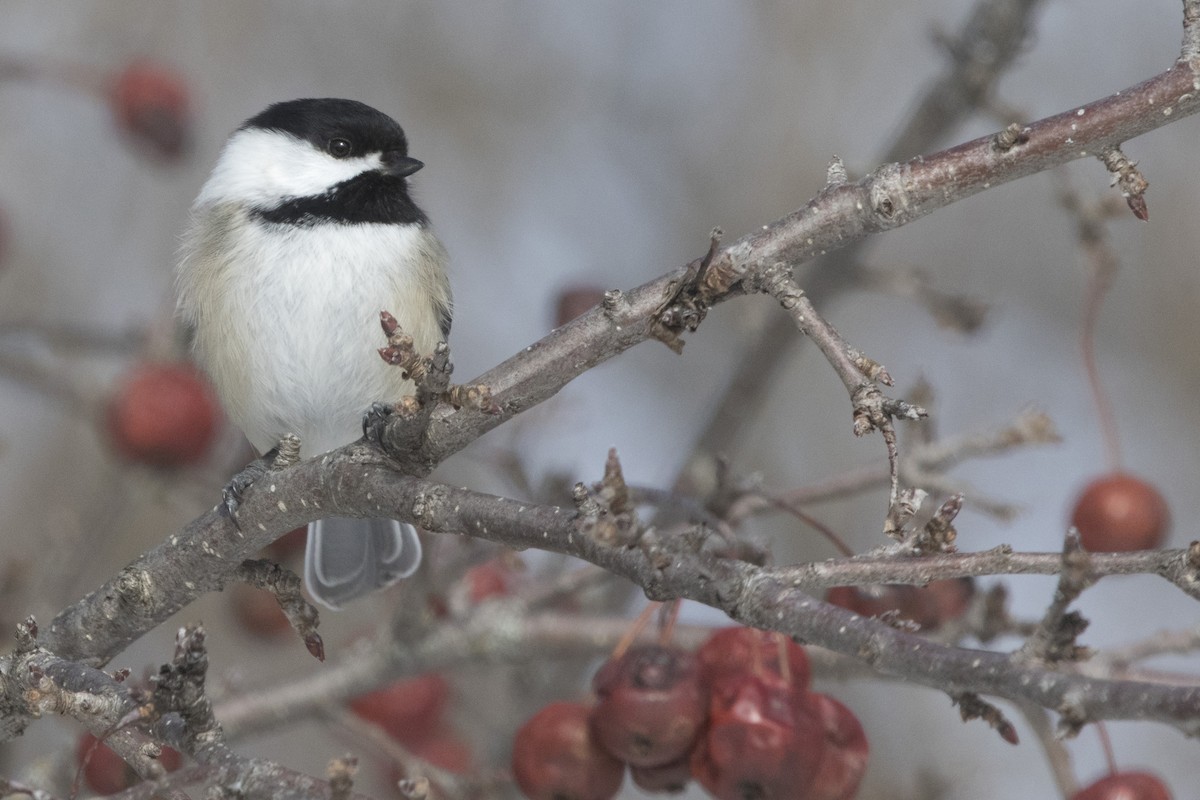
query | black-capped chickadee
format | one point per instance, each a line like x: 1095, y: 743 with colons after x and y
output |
x: 304, y: 231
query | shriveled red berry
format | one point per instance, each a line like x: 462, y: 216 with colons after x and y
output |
x: 732, y: 652
x: 107, y: 773
x: 555, y: 757
x: 163, y: 415
x: 1125, y: 786
x: 410, y: 710
x: 844, y: 759
x: 574, y: 301
x: 150, y: 103
x: 1117, y: 513
x: 651, y: 705
x: 928, y: 606
x: 762, y: 742
x: 666, y: 779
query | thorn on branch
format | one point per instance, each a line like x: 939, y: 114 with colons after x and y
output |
x: 835, y: 174
x: 26, y: 636
x: 613, y: 489
x: 1012, y: 135
x: 400, y: 350
x: 939, y: 534
x: 476, y: 396
x: 687, y: 300
x: 341, y: 777
x: 287, y: 452
x: 414, y: 788
x: 903, y: 506
x: 1054, y: 638
x: 1129, y: 180
x: 972, y: 706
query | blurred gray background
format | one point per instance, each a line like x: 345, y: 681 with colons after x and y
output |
x: 571, y: 144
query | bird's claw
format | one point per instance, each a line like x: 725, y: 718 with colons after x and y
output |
x: 375, y: 420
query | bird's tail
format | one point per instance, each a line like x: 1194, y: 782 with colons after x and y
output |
x: 347, y: 558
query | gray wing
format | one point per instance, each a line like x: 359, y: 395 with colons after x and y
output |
x: 347, y: 558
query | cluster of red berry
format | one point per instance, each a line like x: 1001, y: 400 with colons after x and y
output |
x: 737, y: 716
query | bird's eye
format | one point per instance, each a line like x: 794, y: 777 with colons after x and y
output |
x: 339, y: 148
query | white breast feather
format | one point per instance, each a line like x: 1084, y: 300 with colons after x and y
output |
x: 287, y: 321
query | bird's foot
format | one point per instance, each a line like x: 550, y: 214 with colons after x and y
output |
x: 286, y: 453
x: 375, y: 420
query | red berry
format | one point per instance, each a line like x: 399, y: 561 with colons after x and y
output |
x: 555, y: 758
x: 574, y: 301
x: 651, y: 705
x: 410, y: 710
x: 291, y: 542
x: 490, y: 579
x: 845, y: 757
x: 150, y: 103
x: 763, y: 742
x: 107, y: 773
x: 1118, y: 513
x: 927, y: 606
x: 447, y: 751
x: 164, y: 415
x: 668, y: 779
x: 1125, y: 786
x: 733, y: 652
x: 257, y: 611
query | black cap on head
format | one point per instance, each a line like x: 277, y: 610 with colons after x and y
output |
x: 320, y: 120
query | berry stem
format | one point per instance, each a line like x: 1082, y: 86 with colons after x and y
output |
x: 1106, y: 743
x: 1103, y: 270
x: 635, y: 630
x: 667, y: 617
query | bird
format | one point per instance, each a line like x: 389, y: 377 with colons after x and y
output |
x: 303, y: 232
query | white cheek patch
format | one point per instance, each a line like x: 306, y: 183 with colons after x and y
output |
x: 262, y: 168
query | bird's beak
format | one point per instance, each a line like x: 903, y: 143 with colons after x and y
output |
x: 399, y: 165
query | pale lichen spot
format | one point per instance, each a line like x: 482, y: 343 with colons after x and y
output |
x: 282, y: 506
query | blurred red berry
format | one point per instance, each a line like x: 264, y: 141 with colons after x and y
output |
x: 1118, y: 513
x: 163, y: 415
x: 257, y: 611
x: 763, y: 741
x: 574, y: 301
x: 410, y: 710
x: 446, y: 751
x: 651, y: 705
x: 844, y: 759
x: 928, y: 606
x: 290, y: 543
x: 555, y: 758
x: 733, y: 652
x: 107, y: 773
x: 1125, y: 786
x: 151, y: 105
x: 490, y: 579
x: 668, y: 779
